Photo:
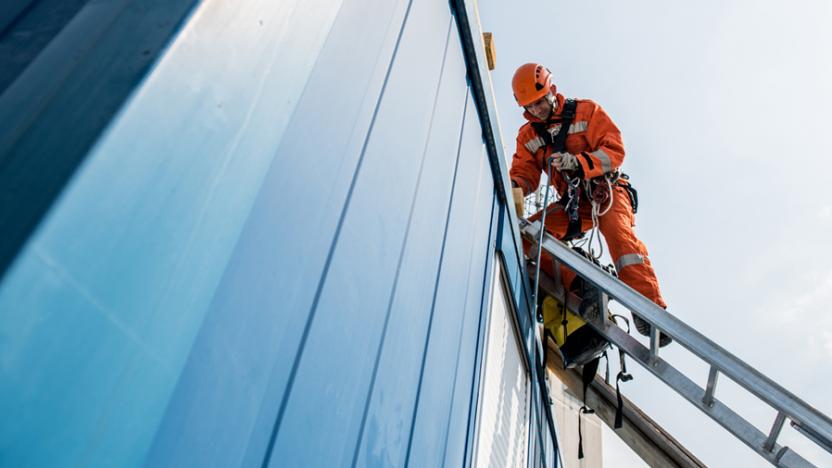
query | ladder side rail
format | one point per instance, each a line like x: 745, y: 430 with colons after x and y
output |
x: 743, y: 374
x: 673, y: 378
x: 718, y: 411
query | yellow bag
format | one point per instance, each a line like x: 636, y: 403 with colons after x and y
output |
x: 553, y: 320
x: 581, y: 343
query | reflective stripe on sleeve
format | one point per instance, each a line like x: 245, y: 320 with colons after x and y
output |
x: 606, y: 162
x: 534, y: 145
x: 627, y: 260
x: 578, y: 127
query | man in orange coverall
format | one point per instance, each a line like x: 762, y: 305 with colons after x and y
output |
x: 585, y: 157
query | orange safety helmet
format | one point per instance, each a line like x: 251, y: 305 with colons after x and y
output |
x: 531, y: 82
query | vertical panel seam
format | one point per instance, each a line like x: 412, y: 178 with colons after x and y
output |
x: 487, y: 275
x: 465, y: 316
x: 330, y: 254
x: 436, y: 283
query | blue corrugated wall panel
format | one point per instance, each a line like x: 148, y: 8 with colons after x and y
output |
x: 516, y: 275
x: 245, y: 352
x: 10, y: 10
x: 351, y: 310
x: 55, y: 112
x: 279, y: 253
x: 386, y: 427
x: 449, y: 358
x: 133, y: 251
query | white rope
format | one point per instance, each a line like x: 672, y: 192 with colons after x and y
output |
x: 609, y: 187
x: 597, y: 212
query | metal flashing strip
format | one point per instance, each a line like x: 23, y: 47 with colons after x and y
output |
x: 721, y: 360
x: 476, y: 63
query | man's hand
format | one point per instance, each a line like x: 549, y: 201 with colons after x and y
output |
x: 565, y: 161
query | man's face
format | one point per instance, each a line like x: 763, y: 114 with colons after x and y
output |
x: 542, y: 108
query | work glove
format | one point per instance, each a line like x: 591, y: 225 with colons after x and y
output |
x: 565, y: 161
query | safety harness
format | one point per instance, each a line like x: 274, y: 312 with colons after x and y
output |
x: 597, y: 191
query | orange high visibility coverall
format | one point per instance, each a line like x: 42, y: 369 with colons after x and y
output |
x: 596, y: 142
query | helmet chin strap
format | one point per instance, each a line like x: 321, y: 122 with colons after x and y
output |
x: 550, y: 98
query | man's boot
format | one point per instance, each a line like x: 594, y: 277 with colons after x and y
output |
x: 644, y: 328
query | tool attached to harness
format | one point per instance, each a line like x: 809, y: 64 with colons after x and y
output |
x: 624, y: 181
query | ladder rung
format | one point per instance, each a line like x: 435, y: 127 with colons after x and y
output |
x: 775, y: 432
x: 654, y: 345
x: 710, y: 390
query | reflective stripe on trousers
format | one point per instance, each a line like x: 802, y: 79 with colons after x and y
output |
x: 628, y: 259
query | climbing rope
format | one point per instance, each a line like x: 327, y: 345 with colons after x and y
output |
x: 542, y: 231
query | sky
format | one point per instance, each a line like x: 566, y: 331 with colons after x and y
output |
x: 722, y: 107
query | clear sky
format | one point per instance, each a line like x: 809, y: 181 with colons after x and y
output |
x: 722, y: 106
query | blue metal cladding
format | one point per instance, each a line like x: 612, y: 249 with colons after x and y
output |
x: 56, y: 109
x: 453, y: 337
x: 277, y: 254
x: 9, y: 10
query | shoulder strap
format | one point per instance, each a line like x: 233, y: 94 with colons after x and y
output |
x: 558, y: 142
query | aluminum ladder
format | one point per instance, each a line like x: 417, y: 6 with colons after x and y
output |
x: 808, y: 421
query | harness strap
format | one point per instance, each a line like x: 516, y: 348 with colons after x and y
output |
x: 587, y: 376
x: 607, y: 370
x: 622, y: 376
x: 557, y: 142
x: 558, y: 145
